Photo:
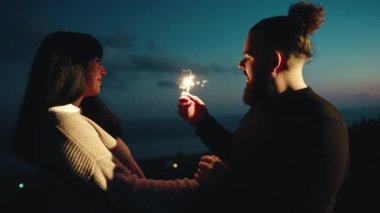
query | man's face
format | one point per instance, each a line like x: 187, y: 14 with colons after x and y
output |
x: 257, y: 70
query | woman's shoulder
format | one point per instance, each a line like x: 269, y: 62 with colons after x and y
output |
x: 64, y: 109
x: 66, y: 116
x: 69, y: 121
x: 77, y: 130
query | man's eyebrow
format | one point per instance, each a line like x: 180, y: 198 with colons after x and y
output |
x: 247, y: 53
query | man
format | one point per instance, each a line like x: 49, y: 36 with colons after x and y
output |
x: 290, y: 152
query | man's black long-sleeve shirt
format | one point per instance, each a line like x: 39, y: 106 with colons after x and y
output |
x: 289, y: 154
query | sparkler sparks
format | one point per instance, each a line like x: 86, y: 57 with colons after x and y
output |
x: 188, y: 80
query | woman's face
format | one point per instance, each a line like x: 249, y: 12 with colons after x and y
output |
x: 95, y: 72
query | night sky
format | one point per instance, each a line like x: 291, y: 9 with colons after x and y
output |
x: 148, y: 43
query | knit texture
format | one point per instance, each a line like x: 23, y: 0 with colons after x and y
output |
x: 77, y: 149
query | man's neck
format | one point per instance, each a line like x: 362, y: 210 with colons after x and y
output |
x: 290, y: 79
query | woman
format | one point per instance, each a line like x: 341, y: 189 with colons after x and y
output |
x: 83, y: 166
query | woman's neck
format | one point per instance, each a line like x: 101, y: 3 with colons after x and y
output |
x: 78, y: 101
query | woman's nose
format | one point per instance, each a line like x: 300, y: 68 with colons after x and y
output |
x: 103, y: 71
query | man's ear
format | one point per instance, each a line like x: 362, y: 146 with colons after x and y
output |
x: 279, y: 62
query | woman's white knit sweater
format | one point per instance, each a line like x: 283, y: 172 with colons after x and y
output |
x: 73, y: 146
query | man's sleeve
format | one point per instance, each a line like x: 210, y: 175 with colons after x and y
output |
x: 215, y: 137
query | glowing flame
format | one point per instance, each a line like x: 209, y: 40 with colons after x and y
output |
x: 188, y: 81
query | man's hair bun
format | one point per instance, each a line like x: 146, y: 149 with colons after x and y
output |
x: 308, y: 16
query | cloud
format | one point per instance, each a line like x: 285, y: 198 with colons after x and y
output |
x: 122, y: 64
x: 139, y: 66
x: 361, y: 95
x: 19, y: 40
x: 118, y: 40
x: 122, y: 61
x: 167, y: 84
x: 152, y: 47
x: 354, y: 99
x: 123, y: 55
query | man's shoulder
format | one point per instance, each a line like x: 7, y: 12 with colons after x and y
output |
x: 314, y: 104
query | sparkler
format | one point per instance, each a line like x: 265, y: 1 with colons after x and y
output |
x: 188, y: 80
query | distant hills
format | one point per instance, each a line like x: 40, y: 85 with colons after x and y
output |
x: 360, y: 191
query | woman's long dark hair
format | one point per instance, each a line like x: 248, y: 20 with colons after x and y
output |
x: 57, y: 77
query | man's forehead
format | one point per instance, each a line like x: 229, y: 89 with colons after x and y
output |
x: 254, y: 42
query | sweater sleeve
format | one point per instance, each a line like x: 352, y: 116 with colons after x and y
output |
x: 124, y: 155
x: 215, y: 137
x: 80, y: 153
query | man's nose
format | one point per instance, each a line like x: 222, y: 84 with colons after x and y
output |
x: 241, y: 65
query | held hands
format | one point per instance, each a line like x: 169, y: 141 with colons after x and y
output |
x: 211, y: 171
x: 191, y: 108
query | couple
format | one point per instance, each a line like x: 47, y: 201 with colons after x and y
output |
x: 289, y: 154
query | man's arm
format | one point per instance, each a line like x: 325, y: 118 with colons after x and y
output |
x: 192, y: 109
x: 215, y: 137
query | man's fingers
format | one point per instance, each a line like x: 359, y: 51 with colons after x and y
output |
x: 204, y: 166
x: 183, y: 105
x: 193, y: 98
x: 196, y: 176
x: 207, y: 158
x: 183, y: 98
x: 210, y: 158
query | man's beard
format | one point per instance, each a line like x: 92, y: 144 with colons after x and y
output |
x: 260, y: 89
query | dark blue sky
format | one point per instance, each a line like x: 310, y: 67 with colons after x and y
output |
x: 148, y: 43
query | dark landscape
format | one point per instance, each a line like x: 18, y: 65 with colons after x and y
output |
x: 19, y: 191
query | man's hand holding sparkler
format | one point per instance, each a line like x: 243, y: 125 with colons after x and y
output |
x: 191, y: 108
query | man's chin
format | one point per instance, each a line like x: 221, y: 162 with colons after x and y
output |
x: 248, y: 97
x: 259, y: 91
x: 247, y: 101
x: 252, y: 97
